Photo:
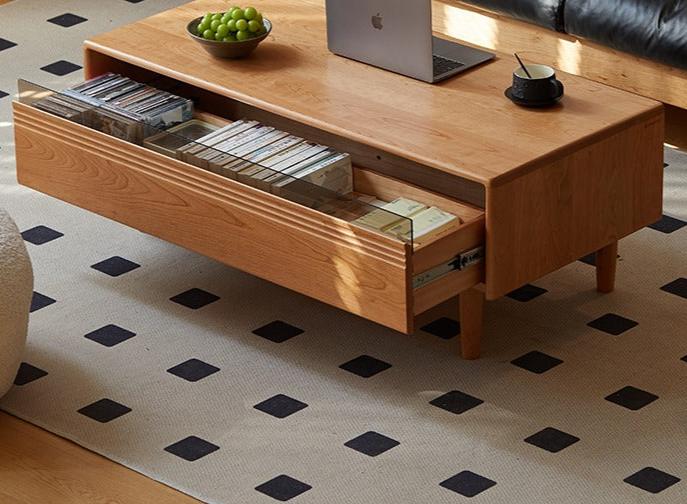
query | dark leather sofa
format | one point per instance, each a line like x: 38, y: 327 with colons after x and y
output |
x: 654, y: 29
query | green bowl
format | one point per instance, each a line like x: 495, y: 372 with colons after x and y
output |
x: 238, y: 49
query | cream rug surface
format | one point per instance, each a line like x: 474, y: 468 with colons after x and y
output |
x: 235, y: 390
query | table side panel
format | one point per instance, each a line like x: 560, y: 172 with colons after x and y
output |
x: 552, y: 216
x: 274, y: 239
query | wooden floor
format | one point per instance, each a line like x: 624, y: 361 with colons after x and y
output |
x: 37, y: 467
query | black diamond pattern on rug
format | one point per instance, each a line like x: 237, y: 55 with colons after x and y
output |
x: 677, y: 287
x: 61, y: 68
x: 67, y: 20
x: 536, y: 362
x: 371, y: 443
x: 278, y: 331
x: 612, y: 324
x: 3, y: 94
x: 467, y: 483
x: 193, y: 370
x: 40, y: 234
x: 115, y: 266
x: 104, y: 410
x: 589, y: 259
x: 194, y: 298
x: 444, y: 328
x: 552, y: 440
x: 668, y: 224
x: 191, y: 448
x: 283, y: 488
x: 456, y: 402
x: 280, y: 406
x: 527, y: 293
x: 632, y: 398
x: 652, y: 480
x: 40, y: 301
x: 6, y: 44
x: 365, y: 366
x: 28, y: 373
x: 110, y: 335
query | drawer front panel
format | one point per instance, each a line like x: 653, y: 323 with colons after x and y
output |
x: 294, y: 246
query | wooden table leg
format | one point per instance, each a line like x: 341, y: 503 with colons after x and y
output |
x: 471, y: 322
x: 606, y: 260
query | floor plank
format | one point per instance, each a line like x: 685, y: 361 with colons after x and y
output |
x: 39, y: 467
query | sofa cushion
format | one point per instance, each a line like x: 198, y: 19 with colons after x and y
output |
x: 546, y: 13
x: 656, y: 29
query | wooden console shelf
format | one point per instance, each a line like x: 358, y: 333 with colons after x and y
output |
x: 536, y: 189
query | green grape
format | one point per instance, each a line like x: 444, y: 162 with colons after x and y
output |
x: 242, y: 25
x: 203, y: 26
x: 218, y: 38
x: 226, y: 18
x: 258, y: 18
x: 207, y: 34
x: 229, y: 38
x: 237, y: 14
x: 217, y: 16
x: 232, y: 25
x: 242, y: 35
x: 207, y: 17
x: 250, y: 13
x: 253, y: 26
x: 222, y: 31
x: 215, y: 23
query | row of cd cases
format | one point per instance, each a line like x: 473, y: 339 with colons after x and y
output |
x: 276, y: 164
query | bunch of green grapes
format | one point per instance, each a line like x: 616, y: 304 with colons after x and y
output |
x: 232, y: 25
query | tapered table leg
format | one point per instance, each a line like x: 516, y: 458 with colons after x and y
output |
x: 606, y: 260
x: 471, y: 322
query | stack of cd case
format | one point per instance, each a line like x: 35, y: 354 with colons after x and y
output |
x: 169, y: 141
x: 120, y: 107
x: 269, y: 159
x: 63, y: 106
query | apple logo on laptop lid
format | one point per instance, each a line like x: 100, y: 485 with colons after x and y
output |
x: 377, y: 21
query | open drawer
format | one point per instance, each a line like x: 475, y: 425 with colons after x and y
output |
x: 364, y: 272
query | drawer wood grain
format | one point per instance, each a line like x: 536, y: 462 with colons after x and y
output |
x: 275, y: 239
x: 358, y: 270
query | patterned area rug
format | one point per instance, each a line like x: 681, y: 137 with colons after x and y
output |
x: 235, y: 390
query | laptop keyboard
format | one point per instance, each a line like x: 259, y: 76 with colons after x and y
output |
x: 443, y: 65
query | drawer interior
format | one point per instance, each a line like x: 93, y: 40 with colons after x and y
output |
x: 473, y: 193
x: 361, y: 270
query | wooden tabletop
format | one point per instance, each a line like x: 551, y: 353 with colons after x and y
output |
x: 464, y: 126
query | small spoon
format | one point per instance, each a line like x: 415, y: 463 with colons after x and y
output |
x: 522, y: 65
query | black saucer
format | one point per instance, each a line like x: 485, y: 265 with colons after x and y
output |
x: 533, y: 103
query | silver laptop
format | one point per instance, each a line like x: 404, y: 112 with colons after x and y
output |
x: 396, y: 35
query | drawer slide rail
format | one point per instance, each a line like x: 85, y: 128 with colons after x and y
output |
x: 462, y: 261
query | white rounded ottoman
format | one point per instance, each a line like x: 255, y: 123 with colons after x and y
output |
x: 16, y: 289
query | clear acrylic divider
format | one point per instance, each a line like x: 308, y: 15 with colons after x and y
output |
x: 235, y: 164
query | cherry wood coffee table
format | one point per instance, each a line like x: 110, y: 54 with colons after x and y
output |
x: 535, y: 189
